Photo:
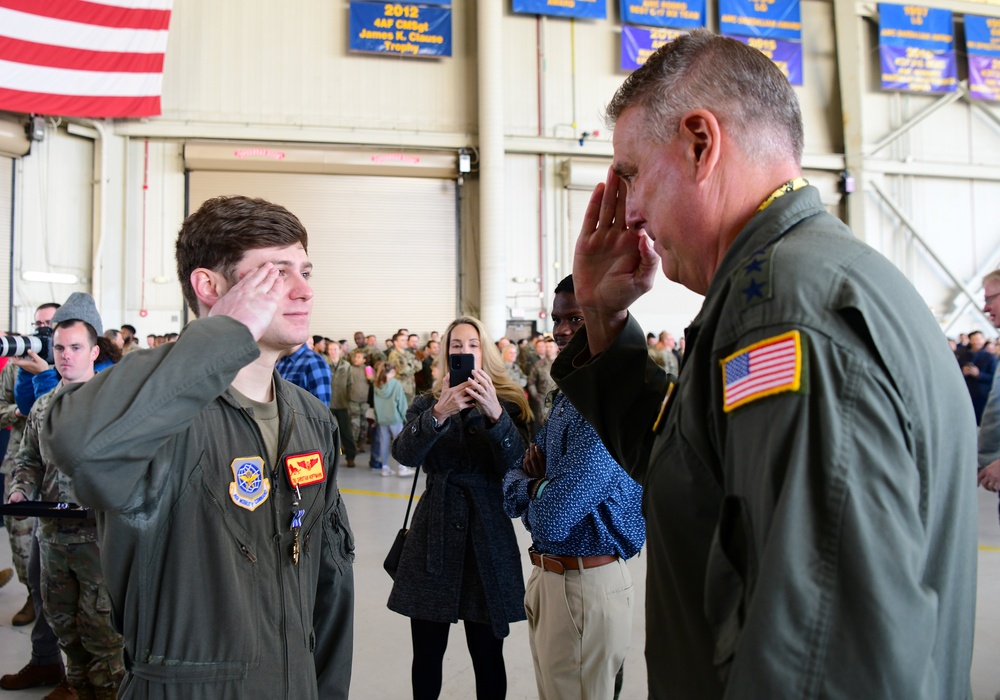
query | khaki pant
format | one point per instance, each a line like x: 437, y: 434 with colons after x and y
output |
x: 579, y: 627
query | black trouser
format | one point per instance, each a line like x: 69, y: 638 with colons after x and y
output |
x: 429, y: 642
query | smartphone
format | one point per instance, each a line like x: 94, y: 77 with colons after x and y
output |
x: 460, y: 367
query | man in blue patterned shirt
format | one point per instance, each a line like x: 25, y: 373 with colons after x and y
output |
x: 307, y: 369
x: 584, y: 514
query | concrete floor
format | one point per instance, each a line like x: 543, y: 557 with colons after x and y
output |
x: 382, y: 644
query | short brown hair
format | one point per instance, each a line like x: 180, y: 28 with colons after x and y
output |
x: 219, y: 234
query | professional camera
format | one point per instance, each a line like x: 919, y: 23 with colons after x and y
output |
x: 19, y: 345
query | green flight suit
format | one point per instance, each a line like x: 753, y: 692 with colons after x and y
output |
x: 819, y: 542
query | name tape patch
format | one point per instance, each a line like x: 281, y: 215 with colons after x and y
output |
x: 769, y: 367
x: 305, y: 469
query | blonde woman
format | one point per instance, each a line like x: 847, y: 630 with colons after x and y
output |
x: 461, y: 561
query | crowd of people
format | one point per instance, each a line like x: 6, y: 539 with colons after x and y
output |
x: 803, y: 477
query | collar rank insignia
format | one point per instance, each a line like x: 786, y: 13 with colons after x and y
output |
x: 305, y: 469
x: 250, y: 487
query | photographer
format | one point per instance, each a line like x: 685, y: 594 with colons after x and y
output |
x: 45, y: 667
x: 461, y: 560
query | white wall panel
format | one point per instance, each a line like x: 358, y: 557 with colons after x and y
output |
x: 153, y: 217
x: 524, y: 243
x: 287, y: 64
x: 54, y: 217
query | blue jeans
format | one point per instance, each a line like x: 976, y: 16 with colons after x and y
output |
x: 386, y: 433
x: 375, y: 460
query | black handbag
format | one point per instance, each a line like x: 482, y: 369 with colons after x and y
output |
x: 391, y: 562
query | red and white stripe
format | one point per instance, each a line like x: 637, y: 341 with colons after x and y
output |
x: 771, y: 367
x: 102, y: 58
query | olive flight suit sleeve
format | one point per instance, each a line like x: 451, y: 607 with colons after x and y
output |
x: 619, y: 392
x: 816, y: 577
x: 106, y: 432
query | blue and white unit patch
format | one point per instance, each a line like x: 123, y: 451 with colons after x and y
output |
x: 250, y: 487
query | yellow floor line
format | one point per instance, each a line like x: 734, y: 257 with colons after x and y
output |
x: 383, y: 493
x: 988, y: 548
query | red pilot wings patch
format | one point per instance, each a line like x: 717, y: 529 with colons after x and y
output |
x: 305, y: 469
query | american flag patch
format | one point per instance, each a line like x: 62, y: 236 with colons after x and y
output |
x: 762, y: 369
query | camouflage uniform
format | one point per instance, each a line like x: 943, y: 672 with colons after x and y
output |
x: 406, y: 366
x: 540, y: 383
x: 357, y: 403
x: 527, y: 356
x: 372, y: 355
x: 74, y: 596
x: 19, y: 531
x: 340, y: 374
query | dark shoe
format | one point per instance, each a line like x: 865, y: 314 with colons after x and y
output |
x: 63, y: 691
x: 24, y: 616
x: 350, y: 463
x: 5, y: 576
x: 34, y: 675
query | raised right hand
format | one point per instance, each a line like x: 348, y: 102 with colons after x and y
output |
x: 253, y: 300
x: 613, y: 265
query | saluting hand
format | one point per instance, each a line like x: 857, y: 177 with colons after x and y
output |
x: 613, y: 265
x: 253, y: 300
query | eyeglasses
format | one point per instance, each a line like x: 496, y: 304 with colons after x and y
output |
x: 43, y: 324
x: 989, y: 298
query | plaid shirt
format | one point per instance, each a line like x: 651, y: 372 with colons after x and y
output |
x: 308, y: 370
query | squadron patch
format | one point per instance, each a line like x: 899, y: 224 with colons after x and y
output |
x: 305, y: 469
x: 250, y: 487
x: 769, y: 367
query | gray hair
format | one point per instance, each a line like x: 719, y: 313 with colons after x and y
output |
x: 742, y: 87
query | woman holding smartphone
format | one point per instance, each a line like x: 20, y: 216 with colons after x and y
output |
x: 460, y: 561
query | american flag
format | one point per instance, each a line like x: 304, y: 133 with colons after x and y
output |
x: 768, y: 367
x: 100, y: 58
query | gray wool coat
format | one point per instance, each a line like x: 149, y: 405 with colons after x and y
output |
x: 460, y: 560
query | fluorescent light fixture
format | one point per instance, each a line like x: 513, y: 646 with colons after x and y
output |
x: 53, y: 277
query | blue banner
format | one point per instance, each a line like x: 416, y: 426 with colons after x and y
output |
x: 982, y: 35
x: 982, y: 43
x: 584, y: 9
x: 787, y: 55
x: 638, y: 43
x: 776, y: 19
x: 400, y: 29
x: 907, y: 26
x: 917, y: 49
x: 680, y: 14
